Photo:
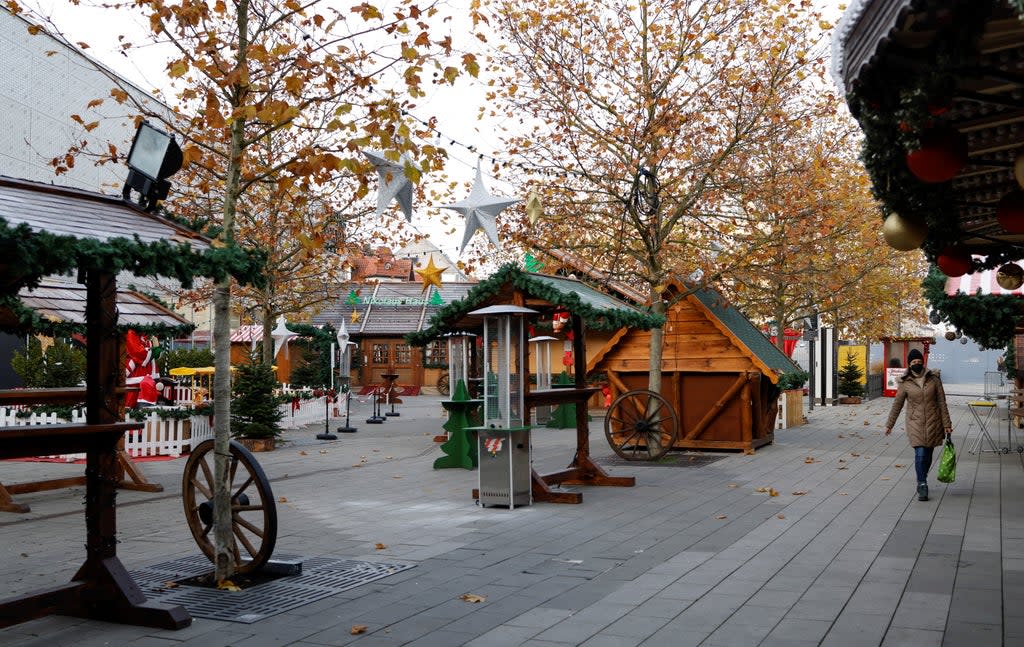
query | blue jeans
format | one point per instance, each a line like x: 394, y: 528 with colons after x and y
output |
x: 923, y: 461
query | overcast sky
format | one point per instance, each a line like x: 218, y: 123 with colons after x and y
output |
x: 455, y: 109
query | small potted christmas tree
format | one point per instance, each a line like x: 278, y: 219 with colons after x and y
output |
x: 255, y: 417
x: 849, y: 381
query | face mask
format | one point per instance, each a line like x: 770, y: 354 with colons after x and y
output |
x: 917, y: 369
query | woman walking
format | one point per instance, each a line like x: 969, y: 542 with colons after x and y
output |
x: 927, y: 419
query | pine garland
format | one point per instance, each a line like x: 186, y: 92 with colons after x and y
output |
x: 31, y: 255
x: 608, y: 319
x: 988, y: 319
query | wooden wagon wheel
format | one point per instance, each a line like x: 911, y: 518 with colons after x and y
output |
x: 641, y: 425
x: 443, y: 385
x: 253, y: 512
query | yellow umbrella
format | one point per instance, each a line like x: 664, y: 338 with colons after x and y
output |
x: 182, y: 370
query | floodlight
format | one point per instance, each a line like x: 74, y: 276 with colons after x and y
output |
x: 154, y: 156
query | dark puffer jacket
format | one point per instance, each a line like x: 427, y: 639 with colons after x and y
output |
x: 927, y: 414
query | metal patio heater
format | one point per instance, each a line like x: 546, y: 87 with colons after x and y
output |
x: 503, y: 442
x: 542, y: 362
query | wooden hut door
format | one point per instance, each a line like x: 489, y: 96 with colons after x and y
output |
x: 387, y: 355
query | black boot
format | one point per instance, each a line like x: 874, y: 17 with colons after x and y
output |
x: 922, y: 491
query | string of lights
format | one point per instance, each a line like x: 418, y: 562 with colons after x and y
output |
x: 504, y: 163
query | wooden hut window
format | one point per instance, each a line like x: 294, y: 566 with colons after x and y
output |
x: 435, y: 354
x: 380, y: 353
x: 403, y: 354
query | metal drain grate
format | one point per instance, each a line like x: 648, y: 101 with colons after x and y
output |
x: 671, y: 459
x: 321, y: 577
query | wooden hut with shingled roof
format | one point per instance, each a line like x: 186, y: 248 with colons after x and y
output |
x: 719, y: 371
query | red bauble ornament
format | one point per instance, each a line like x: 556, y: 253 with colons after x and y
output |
x: 1010, y: 212
x: 954, y: 261
x: 941, y: 155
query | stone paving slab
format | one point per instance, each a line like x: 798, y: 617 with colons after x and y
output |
x: 700, y: 555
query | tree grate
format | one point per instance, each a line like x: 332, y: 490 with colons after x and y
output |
x: 321, y: 577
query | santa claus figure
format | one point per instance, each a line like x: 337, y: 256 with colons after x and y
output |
x: 141, y: 364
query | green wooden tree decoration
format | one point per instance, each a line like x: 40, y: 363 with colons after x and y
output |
x: 353, y: 298
x: 531, y: 263
x: 849, y: 377
x: 435, y: 298
x: 460, y: 448
x: 564, y: 415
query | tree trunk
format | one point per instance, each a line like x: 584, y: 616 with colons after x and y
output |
x: 224, y: 563
x: 268, y: 339
x: 657, y: 345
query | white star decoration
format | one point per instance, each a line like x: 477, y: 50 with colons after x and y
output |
x: 480, y: 210
x: 281, y: 336
x: 394, y: 184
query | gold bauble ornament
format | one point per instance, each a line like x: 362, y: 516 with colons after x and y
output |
x: 904, y: 234
x: 1010, y: 276
x: 1018, y: 169
x: 950, y: 335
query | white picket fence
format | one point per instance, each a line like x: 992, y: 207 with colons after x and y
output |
x: 174, y: 437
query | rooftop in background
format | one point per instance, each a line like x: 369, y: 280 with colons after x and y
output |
x: 388, y: 308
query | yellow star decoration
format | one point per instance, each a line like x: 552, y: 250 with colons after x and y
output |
x: 431, y: 275
x: 355, y: 316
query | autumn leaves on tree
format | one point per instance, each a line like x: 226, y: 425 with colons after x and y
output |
x: 689, y: 139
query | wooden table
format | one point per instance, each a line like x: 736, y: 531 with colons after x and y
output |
x: 582, y: 470
x: 125, y: 466
x: 102, y: 589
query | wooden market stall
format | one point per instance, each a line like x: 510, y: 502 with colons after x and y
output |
x: 589, y: 309
x: 50, y: 230
x: 719, y: 372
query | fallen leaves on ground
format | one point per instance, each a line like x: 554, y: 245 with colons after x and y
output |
x: 810, y: 459
x: 473, y: 597
x: 380, y: 546
x: 773, y: 492
x: 358, y: 629
x: 323, y: 451
x: 854, y: 454
x: 898, y: 466
x: 780, y: 516
x: 302, y: 453
x: 396, y: 477
x: 844, y: 494
x: 228, y: 585
x: 884, y: 478
x: 799, y: 493
x: 170, y: 585
x: 721, y: 516
x: 282, y: 499
x: 733, y: 485
x: 357, y: 465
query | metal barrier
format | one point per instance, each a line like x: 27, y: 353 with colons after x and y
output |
x: 876, y: 384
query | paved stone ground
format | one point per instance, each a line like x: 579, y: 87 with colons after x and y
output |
x: 693, y: 555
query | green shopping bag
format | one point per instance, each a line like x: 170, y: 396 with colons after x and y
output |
x: 947, y: 463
